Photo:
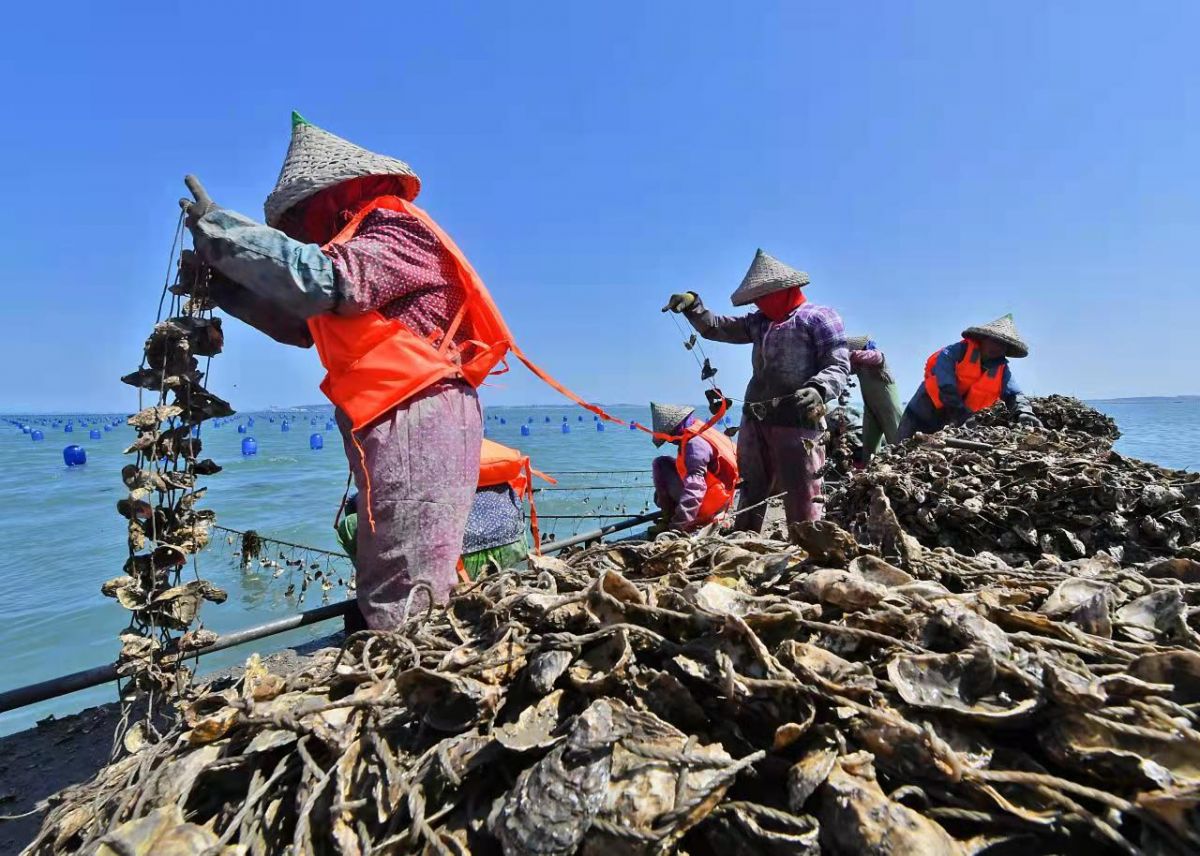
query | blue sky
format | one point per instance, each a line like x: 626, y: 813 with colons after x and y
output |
x: 930, y: 164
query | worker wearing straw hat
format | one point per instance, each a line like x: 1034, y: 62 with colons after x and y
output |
x: 346, y: 262
x: 969, y: 376
x: 799, y: 362
x: 881, y: 398
x: 693, y: 487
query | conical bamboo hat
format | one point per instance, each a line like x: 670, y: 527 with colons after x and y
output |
x: 1002, y: 330
x: 767, y: 274
x: 665, y: 418
x: 317, y: 159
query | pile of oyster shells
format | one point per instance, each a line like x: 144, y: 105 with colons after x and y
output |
x: 708, y: 695
x: 1061, y: 492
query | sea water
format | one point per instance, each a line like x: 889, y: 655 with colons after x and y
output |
x: 61, y: 536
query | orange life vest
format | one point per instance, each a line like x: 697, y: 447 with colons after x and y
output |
x: 979, y: 389
x: 373, y: 363
x: 501, y: 465
x: 721, y: 476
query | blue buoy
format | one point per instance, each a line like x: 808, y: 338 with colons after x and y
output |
x: 580, y: 418
x: 564, y: 419
x: 599, y: 426
x: 36, y: 435
x: 95, y: 434
x: 242, y: 429
x: 249, y: 446
x: 270, y: 418
x: 530, y: 420
x: 503, y: 421
x: 547, y: 420
x: 69, y: 428
x: 285, y: 427
x: 595, y: 418
x: 524, y: 430
x: 26, y: 429
x: 330, y: 425
x: 632, y: 426
x: 107, y: 427
x: 316, y: 441
x: 566, y: 428
x: 74, y: 456
x: 250, y: 421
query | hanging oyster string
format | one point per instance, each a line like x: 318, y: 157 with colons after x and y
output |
x: 165, y: 528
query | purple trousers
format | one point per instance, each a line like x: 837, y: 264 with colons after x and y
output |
x: 774, y: 458
x: 423, y: 463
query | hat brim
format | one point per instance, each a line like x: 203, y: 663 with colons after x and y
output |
x: 1016, y: 348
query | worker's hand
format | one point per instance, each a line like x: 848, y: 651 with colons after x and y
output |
x: 199, y: 205
x: 1028, y: 420
x: 681, y: 302
x: 808, y: 398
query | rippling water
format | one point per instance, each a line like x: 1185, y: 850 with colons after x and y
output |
x: 62, y: 538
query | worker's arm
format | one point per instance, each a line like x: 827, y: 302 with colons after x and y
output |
x: 719, y: 328
x: 258, y: 313
x: 1017, y: 402
x: 696, y: 458
x: 294, y: 277
x: 832, y: 357
x: 947, y: 380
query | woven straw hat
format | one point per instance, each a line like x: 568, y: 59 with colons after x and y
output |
x: 767, y: 274
x: 317, y: 159
x: 1002, y: 330
x: 857, y: 343
x: 665, y: 418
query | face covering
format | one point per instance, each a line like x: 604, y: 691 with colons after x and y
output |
x: 780, y: 304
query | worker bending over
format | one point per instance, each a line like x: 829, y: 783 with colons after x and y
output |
x: 881, y: 398
x: 799, y: 362
x: 969, y: 376
x: 697, y: 484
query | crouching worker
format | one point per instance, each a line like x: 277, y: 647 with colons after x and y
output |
x: 969, y: 376
x: 404, y: 327
x: 694, y: 486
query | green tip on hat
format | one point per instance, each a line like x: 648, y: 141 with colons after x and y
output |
x: 317, y: 159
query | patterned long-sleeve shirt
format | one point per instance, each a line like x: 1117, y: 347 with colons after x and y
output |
x: 697, y: 457
x: 808, y: 348
x: 393, y: 264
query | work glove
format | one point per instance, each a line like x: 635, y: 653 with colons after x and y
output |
x: 681, y: 302
x: 197, y: 207
x: 1028, y: 420
x: 808, y: 397
x: 811, y: 405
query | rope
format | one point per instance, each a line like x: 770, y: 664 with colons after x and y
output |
x: 267, y: 540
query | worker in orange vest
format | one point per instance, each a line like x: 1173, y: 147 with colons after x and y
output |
x: 969, y: 376
x: 697, y: 484
x: 406, y: 332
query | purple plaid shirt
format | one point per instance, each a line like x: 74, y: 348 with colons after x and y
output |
x: 808, y: 348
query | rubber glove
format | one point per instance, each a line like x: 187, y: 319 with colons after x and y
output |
x: 199, y: 205
x: 681, y: 302
x: 1028, y: 420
